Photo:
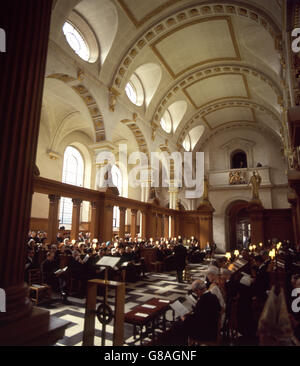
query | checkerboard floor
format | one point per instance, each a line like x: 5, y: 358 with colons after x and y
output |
x: 160, y: 285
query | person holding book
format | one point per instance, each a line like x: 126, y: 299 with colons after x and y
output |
x: 55, y: 276
x: 201, y: 324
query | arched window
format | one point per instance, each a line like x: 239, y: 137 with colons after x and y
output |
x: 117, y: 181
x: 187, y: 143
x: 238, y: 159
x: 73, y: 170
x: 135, y: 91
x: 131, y: 92
x: 76, y: 41
x: 166, y: 122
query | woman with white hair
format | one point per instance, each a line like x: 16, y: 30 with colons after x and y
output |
x: 212, y: 275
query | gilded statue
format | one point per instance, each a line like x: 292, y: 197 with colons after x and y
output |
x: 255, y: 182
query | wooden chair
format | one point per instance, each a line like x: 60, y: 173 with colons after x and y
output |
x: 37, y: 286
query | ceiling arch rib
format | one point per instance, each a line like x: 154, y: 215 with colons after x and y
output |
x: 89, y: 101
x: 140, y: 14
x: 196, y: 16
x: 253, y: 108
x: 261, y: 128
x: 135, y: 129
x: 205, y: 73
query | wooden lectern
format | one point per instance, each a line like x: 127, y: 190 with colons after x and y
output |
x: 90, y: 312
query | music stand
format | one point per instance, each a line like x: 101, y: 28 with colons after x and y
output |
x: 106, y: 262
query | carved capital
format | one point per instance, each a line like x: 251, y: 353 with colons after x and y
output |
x: 76, y: 202
x: 53, y: 198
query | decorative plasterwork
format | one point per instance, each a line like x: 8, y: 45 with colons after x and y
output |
x: 53, y: 155
x: 88, y: 99
x: 198, y: 117
x: 138, y: 23
x: 180, y: 17
x: 239, y: 144
x: 229, y: 32
x: 244, y: 81
x: 231, y: 126
x: 208, y: 124
x: 113, y: 95
x: 202, y: 74
x: 140, y: 139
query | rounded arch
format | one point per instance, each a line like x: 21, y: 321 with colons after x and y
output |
x: 177, y: 111
x: 236, y: 210
x: 195, y: 135
x: 81, y: 142
x: 238, y: 159
x: 103, y: 18
x: 81, y: 38
x: 92, y: 108
x: 153, y: 33
x: 150, y: 75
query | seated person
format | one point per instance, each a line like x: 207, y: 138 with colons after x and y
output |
x: 212, y: 277
x: 56, y: 281
x: 30, y: 263
x: 132, y: 270
x: 201, y: 324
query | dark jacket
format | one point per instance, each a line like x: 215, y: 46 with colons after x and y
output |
x: 203, y: 323
x: 180, y: 254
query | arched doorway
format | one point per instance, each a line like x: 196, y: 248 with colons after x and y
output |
x: 238, y: 228
x: 238, y: 159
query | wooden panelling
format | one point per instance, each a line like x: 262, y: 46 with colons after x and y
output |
x: 278, y: 224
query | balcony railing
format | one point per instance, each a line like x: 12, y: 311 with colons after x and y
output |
x: 238, y: 177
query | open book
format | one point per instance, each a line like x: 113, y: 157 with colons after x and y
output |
x: 107, y: 261
x: 179, y: 308
x: 60, y: 271
x: 191, y: 300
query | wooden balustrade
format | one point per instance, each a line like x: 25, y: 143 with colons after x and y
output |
x: 155, y: 219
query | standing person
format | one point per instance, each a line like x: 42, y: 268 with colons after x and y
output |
x: 180, y: 254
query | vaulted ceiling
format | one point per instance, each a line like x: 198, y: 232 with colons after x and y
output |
x: 220, y: 57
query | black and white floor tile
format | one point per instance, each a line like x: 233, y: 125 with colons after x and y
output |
x: 160, y: 285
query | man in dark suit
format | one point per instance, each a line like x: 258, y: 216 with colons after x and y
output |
x: 180, y: 254
x: 262, y: 279
x: 56, y: 281
x: 201, y: 324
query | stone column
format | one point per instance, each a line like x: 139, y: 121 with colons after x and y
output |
x: 122, y: 222
x: 133, y: 223
x: 166, y: 226
x: 26, y: 24
x: 53, y: 218
x: 75, y: 218
x: 94, y: 228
